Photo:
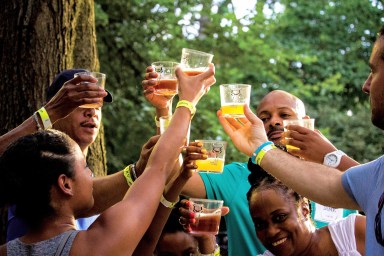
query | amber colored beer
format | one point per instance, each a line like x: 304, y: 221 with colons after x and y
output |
x: 289, y: 147
x: 193, y: 72
x: 92, y: 105
x: 206, y: 223
x: 210, y: 165
x: 233, y: 110
x: 166, y: 87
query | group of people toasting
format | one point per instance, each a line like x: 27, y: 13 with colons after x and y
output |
x: 47, y: 184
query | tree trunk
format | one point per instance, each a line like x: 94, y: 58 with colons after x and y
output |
x: 38, y: 39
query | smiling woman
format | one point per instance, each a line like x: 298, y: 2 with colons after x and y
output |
x: 283, y: 222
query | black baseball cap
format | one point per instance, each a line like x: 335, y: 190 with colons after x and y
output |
x: 65, y: 76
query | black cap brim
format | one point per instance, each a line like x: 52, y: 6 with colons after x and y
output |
x: 109, y: 97
x: 63, y: 77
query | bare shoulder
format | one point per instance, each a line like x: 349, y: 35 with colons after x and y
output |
x: 360, y: 226
x: 360, y: 223
x: 3, y: 250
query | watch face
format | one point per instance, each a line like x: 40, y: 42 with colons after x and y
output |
x: 332, y: 159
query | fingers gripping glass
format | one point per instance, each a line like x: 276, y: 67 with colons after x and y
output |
x: 378, y: 233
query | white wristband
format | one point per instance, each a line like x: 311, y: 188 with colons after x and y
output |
x: 37, y: 121
x: 167, y: 203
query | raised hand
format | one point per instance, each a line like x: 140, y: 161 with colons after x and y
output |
x: 247, y: 134
x: 187, y: 216
x: 194, y: 151
x: 74, y: 93
x: 158, y: 101
x: 192, y: 88
x: 313, y: 145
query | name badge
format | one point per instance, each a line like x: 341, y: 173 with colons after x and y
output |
x: 327, y: 214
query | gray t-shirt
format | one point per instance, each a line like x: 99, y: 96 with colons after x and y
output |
x: 47, y: 247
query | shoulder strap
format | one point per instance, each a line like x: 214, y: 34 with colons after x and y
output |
x: 63, y: 241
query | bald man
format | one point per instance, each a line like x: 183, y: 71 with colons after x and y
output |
x: 232, y: 185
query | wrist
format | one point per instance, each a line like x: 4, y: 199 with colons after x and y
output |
x: 44, y: 117
x: 167, y: 203
x: 51, y: 113
x: 215, y: 252
x: 167, y: 111
x: 187, y: 104
x: 260, y: 152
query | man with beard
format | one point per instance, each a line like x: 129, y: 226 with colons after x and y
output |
x: 232, y: 185
x: 272, y: 110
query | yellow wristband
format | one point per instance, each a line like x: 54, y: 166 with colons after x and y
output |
x: 157, y: 122
x: 127, y: 175
x: 167, y: 203
x: 262, y: 152
x: 187, y: 104
x: 45, y: 118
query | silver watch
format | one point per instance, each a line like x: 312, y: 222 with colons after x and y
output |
x: 333, y: 159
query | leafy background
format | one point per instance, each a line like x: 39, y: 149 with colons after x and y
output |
x: 317, y: 50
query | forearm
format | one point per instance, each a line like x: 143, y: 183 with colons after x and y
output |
x: 195, y: 187
x: 155, y: 175
x: 27, y: 127
x: 149, y: 241
x: 207, y: 244
x: 300, y: 176
x: 107, y: 191
x: 163, y: 111
x: 346, y: 163
x: 167, y: 111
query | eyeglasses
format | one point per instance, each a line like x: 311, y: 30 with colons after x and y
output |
x: 379, y: 237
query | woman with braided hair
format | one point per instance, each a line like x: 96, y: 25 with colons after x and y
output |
x: 45, y: 175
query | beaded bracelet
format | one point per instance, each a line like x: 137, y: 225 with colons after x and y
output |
x: 187, y: 104
x: 37, y: 121
x: 133, y: 171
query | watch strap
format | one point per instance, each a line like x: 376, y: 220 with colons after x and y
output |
x: 338, y: 154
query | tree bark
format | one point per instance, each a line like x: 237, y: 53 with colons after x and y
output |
x: 38, y: 39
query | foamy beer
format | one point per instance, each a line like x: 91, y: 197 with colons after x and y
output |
x: 194, y: 62
x: 166, y: 80
x: 216, y: 156
x: 207, y: 215
x: 233, y: 97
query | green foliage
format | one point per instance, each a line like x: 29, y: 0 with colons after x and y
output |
x: 317, y: 50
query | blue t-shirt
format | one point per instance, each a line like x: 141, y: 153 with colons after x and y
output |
x: 232, y: 186
x: 365, y: 184
x: 16, y: 227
